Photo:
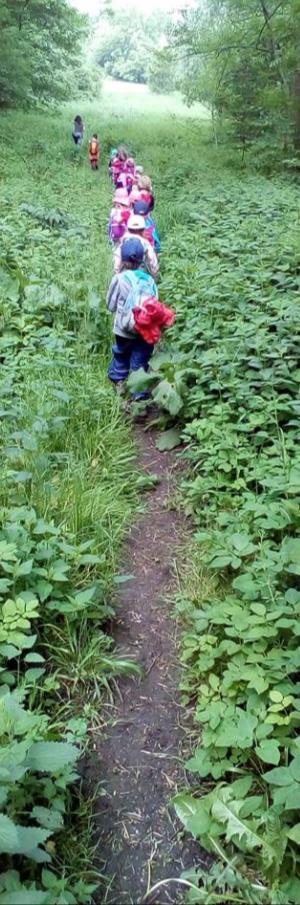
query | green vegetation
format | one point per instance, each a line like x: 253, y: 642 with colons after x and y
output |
x: 227, y: 382
x: 67, y: 491
x: 42, y: 57
x: 242, y: 58
x: 230, y: 376
x: 134, y: 53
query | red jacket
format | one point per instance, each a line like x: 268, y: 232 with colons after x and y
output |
x: 150, y: 319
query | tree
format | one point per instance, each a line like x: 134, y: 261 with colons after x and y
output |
x: 125, y: 46
x: 249, y: 51
x: 121, y: 50
x: 162, y: 71
x: 39, y: 41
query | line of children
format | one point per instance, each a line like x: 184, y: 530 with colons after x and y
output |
x: 133, y: 295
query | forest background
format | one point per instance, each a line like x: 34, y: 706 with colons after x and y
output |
x: 239, y: 57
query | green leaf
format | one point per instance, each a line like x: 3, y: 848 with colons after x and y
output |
x: 49, y: 879
x: 141, y: 380
x: 169, y: 439
x: 295, y: 768
x: 294, y: 833
x: 246, y: 585
x: 242, y: 544
x: 280, y: 776
x: 47, y: 817
x: 24, y: 568
x: 7, y: 552
x: 269, y: 751
x: 84, y: 597
x: 291, y: 799
x: 291, y: 891
x: 166, y: 396
x: 32, y: 675
x: 220, y: 562
x: 241, y: 787
x: 193, y: 813
x: 276, y: 696
x: 236, y: 827
x: 51, y: 757
x: 19, y: 840
x: 24, y: 896
x: 34, y: 658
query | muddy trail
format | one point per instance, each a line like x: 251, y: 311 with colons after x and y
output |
x: 139, y: 841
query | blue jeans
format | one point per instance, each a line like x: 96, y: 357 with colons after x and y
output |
x: 129, y: 355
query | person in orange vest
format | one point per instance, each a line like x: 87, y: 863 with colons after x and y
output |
x: 94, y: 151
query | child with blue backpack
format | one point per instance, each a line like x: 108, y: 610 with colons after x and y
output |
x: 127, y: 291
x: 142, y: 208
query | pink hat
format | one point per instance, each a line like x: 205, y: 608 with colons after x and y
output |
x: 121, y: 197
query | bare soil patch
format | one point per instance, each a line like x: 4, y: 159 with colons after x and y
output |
x: 140, y: 841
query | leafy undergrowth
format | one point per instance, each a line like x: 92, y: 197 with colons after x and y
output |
x: 230, y: 377
x: 66, y: 494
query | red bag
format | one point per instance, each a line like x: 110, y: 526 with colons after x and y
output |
x: 150, y: 319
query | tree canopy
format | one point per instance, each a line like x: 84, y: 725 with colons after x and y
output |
x: 40, y: 42
x: 241, y: 58
x: 126, y: 44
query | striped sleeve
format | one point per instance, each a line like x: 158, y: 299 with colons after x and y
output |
x: 113, y: 294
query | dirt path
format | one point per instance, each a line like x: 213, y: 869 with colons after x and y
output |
x: 139, y: 841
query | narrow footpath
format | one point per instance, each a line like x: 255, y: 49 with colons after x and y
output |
x: 139, y: 840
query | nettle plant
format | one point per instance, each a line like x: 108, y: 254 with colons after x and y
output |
x: 234, y: 366
x: 37, y: 570
x: 53, y: 579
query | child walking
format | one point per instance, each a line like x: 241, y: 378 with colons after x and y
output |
x: 151, y: 232
x: 94, y: 151
x: 118, y: 164
x: 119, y: 216
x: 136, y: 228
x: 127, y: 291
x: 143, y: 191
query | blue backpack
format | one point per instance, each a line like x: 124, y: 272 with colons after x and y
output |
x: 142, y: 287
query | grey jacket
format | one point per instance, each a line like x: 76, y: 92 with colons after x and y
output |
x: 116, y: 297
x: 119, y: 291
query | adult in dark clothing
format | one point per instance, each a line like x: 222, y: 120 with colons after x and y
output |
x: 78, y: 130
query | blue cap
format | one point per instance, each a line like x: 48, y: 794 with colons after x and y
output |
x: 132, y: 250
x: 141, y: 207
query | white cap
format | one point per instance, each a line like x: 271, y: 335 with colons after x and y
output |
x: 136, y: 222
